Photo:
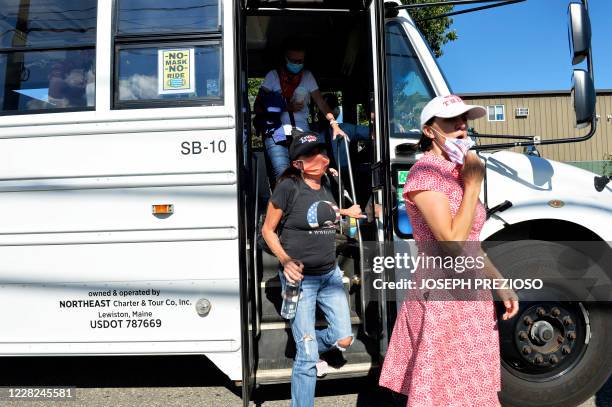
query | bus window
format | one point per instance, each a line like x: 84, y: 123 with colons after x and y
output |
x: 182, y: 69
x: 156, y: 16
x: 409, y: 89
x: 47, y: 55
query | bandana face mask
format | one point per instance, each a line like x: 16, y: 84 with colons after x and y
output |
x: 455, y: 148
x: 315, y: 166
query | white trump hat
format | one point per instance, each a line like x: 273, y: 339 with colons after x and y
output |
x: 450, y: 106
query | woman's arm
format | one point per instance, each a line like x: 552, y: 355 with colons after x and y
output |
x: 318, y: 98
x: 508, y: 296
x: 435, y: 208
x: 268, y: 231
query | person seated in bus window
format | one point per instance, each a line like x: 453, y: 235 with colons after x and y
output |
x: 297, y: 86
x: 70, y: 80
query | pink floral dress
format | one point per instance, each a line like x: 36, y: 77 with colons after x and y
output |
x: 443, y: 353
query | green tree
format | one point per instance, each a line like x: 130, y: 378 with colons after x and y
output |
x: 437, y: 32
x: 254, y: 85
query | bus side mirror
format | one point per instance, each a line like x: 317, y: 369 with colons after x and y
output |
x: 583, y: 93
x: 579, y: 32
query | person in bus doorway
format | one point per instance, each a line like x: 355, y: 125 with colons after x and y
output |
x: 297, y: 86
x: 354, y: 132
x: 445, y: 352
x: 306, y: 251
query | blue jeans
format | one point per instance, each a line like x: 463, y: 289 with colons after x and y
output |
x: 327, y: 291
x: 277, y: 156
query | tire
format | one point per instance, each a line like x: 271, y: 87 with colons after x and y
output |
x: 577, y: 373
x: 577, y: 384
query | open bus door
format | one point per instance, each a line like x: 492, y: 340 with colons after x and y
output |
x: 348, y: 24
x: 406, y: 78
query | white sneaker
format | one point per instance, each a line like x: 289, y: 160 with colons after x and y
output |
x: 322, y: 368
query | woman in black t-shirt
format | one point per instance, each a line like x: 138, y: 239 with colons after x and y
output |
x: 307, y: 253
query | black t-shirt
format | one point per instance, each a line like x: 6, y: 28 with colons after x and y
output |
x: 309, y: 232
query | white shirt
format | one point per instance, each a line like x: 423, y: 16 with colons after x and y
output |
x: 272, y: 83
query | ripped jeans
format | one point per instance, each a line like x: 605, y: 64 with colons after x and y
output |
x: 327, y: 291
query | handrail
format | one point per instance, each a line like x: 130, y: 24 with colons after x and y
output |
x: 257, y: 326
x: 359, y: 236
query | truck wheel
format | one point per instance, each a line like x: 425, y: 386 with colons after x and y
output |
x: 554, y: 352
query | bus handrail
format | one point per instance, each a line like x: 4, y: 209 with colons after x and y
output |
x: 359, y: 236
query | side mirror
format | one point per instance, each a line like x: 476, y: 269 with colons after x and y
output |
x: 579, y: 32
x: 583, y: 94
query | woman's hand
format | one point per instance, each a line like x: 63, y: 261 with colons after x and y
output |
x: 354, y: 212
x: 337, y: 132
x: 473, y: 171
x: 511, y: 303
x: 292, y: 269
x: 333, y: 172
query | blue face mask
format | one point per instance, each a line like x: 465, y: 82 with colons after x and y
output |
x: 294, y: 68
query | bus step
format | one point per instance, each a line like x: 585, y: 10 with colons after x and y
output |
x: 320, y: 323
x: 276, y: 348
x: 283, y: 375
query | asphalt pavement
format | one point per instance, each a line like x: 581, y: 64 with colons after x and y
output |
x: 179, y: 381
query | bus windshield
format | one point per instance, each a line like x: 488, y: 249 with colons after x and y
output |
x: 409, y: 89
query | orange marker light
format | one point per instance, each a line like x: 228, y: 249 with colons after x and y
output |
x: 165, y: 209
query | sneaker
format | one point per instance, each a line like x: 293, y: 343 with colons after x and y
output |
x: 322, y: 368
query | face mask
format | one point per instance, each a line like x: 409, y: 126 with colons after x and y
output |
x: 455, y: 148
x: 315, y: 166
x: 294, y: 68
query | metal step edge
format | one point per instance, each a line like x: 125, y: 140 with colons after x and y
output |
x: 269, y: 326
x: 284, y: 375
x: 276, y: 283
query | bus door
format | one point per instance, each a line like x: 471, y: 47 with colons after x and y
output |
x: 343, y: 70
x: 408, y: 78
x: 119, y: 232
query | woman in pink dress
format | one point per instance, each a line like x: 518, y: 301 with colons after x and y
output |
x: 446, y: 353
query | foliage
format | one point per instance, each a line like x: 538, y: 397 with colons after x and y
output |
x: 436, y: 32
x: 254, y: 85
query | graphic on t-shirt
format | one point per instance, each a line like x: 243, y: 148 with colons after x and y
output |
x: 322, y: 214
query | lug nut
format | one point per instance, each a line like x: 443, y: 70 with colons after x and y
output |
x: 527, y: 320
x: 560, y: 338
x: 566, y: 350
x: 540, y: 311
x: 571, y: 335
x: 523, y: 336
x: 567, y: 321
x: 555, y: 312
x: 539, y: 359
x: 553, y: 360
x: 526, y: 350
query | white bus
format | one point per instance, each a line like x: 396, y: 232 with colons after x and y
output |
x: 131, y: 194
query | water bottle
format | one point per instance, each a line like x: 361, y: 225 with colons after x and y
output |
x: 290, y: 299
x: 349, y: 226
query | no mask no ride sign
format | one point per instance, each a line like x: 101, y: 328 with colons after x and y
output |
x: 176, y: 71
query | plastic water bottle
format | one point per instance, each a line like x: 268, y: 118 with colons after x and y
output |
x: 290, y: 299
x: 349, y: 226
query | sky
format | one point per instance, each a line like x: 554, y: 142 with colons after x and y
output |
x: 523, y: 47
